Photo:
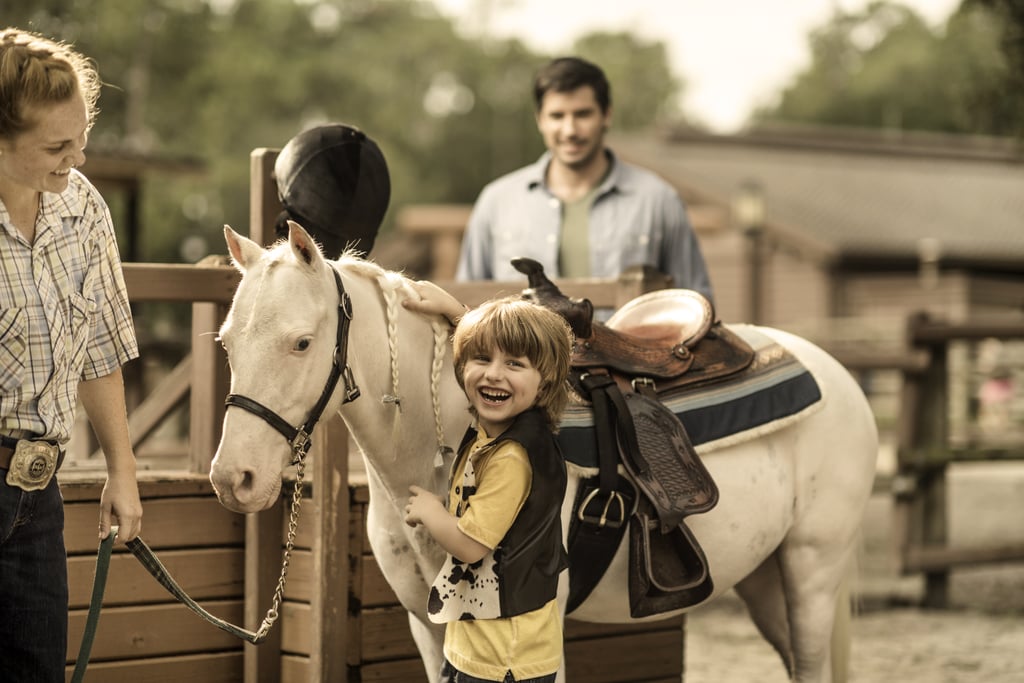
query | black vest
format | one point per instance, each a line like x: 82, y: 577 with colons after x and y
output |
x: 531, y: 555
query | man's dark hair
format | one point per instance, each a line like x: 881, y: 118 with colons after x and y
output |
x: 565, y: 74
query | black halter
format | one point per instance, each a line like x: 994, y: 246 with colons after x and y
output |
x: 299, y: 437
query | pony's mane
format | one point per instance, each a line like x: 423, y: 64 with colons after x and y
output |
x: 351, y: 262
x: 390, y: 283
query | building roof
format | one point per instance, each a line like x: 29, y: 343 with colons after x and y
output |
x: 860, y: 196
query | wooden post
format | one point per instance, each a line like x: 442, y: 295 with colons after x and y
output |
x: 264, y: 206
x: 210, y: 383
x: 329, y: 628
x: 262, y: 663
x: 921, y: 460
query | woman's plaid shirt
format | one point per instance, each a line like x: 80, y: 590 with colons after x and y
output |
x: 64, y: 313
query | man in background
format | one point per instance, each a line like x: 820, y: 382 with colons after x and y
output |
x: 579, y: 210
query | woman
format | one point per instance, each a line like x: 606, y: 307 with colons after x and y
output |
x: 65, y: 331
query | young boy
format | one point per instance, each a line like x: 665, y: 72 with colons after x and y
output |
x: 501, y: 526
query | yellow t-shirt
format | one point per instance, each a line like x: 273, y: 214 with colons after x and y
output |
x: 529, y: 645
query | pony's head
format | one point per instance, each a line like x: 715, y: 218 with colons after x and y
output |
x: 280, y: 336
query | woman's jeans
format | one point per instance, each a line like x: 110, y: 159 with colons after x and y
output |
x: 449, y: 674
x: 33, y: 584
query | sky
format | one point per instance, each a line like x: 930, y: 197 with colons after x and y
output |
x: 731, y: 54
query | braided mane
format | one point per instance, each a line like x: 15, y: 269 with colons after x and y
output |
x: 393, y: 284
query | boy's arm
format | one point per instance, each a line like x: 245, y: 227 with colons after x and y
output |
x: 427, y: 509
x: 434, y: 300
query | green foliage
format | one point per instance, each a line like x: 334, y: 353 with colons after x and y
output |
x: 885, y: 68
x: 644, y: 91
x: 215, y: 79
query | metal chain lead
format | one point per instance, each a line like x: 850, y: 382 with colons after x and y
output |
x: 293, y: 524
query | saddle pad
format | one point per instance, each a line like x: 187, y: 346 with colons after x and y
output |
x: 773, y: 392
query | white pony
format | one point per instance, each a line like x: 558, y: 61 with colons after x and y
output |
x: 783, y: 533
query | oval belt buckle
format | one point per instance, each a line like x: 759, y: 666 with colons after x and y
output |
x: 32, y: 465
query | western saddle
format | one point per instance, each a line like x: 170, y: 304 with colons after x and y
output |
x: 657, y: 344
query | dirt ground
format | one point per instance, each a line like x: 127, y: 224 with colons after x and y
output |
x: 979, y: 639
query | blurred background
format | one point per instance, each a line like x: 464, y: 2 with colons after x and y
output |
x: 846, y: 164
x: 194, y: 85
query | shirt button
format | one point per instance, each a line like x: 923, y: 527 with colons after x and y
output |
x: 551, y: 239
x: 554, y: 203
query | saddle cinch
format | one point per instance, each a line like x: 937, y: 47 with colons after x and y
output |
x: 655, y: 345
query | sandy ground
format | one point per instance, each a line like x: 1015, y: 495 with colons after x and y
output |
x: 979, y: 639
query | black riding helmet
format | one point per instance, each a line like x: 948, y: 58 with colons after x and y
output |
x: 333, y: 181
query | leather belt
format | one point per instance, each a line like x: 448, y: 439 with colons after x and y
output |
x: 5, y: 457
x: 7, y: 446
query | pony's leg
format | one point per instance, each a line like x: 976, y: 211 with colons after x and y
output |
x: 430, y: 642
x: 840, y: 645
x: 813, y: 584
x: 763, y: 593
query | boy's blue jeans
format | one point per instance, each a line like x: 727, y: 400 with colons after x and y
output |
x: 449, y: 674
x: 33, y: 584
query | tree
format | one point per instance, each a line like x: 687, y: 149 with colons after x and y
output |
x: 644, y: 90
x: 885, y: 68
x: 215, y: 79
x: 1008, y: 15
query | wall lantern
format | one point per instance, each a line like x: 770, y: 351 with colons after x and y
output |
x: 748, y: 211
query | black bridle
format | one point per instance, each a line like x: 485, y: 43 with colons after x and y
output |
x: 299, y: 437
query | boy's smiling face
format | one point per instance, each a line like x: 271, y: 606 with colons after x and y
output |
x: 500, y: 387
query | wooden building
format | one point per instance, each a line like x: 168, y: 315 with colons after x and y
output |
x: 858, y: 224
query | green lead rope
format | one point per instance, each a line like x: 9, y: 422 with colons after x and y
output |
x: 153, y: 565
x: 98, y: 585
x: 149, y: 560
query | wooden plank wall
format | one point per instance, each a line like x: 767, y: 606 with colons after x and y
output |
x: 144, y: 635
x: 380, y: 648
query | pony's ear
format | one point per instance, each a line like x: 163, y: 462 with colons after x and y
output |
x: 303, y: 246
x: 244, y: 252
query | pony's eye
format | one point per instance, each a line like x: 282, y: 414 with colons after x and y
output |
x: 302, y: 344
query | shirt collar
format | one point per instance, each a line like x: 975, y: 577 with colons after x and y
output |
x: 53, y: 208
x: 67, y: 203
x: 615, y: 179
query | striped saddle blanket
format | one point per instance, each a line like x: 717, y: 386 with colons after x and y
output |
x: 774, y: 391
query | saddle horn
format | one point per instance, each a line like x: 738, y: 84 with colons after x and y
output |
x: 579, y: 313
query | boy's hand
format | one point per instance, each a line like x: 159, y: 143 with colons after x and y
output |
x: 434, y: 300
x: 422, y: 504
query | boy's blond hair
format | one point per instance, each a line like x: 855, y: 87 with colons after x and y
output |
x: 521, y: 328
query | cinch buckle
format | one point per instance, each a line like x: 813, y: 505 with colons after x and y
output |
x: 603, y: 521
x: 33, y: 465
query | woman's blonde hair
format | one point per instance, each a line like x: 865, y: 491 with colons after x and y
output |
x: 35, y: 70
x: 521, y: 328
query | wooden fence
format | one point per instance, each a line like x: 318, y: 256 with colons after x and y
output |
x: 925, y: 453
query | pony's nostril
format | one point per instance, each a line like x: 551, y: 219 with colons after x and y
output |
x: 245, y: 484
